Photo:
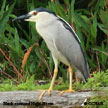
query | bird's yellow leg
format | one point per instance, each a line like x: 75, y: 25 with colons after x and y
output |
x: 70, y: 85
x: 51, y: 86
x: 53, y: 79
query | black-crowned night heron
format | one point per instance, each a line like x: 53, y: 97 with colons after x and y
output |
x: 62, y: 41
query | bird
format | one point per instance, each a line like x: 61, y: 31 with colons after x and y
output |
x: 63, y: 43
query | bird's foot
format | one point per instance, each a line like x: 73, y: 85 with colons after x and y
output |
x: 66, y: 91
x: 43, y: 93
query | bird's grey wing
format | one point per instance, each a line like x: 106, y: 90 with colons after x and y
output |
x: 68, y: 44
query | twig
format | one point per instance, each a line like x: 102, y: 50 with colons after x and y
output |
x: 106, y: 5
x: 52, y: 0
x: 97, y: 58
x: 72, y: 25
x: 27, y: 55
x: 9, y: 76
x: 103, y: 52
x: 16, y: 71
x: 46, y: 64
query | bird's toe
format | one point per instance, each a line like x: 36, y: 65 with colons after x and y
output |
x: 66, y: 91
x: 43, y: 93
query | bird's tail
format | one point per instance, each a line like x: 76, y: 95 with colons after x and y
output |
x: 84, y: 74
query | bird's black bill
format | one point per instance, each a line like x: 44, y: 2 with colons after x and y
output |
x: 26, y: 16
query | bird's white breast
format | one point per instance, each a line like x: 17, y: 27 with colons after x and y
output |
x: 48, y: 30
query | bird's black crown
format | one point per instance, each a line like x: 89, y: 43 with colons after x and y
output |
x: 44, y: 10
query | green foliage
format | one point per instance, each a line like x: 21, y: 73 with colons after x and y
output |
x: 97, y: 82
x: 7, y: 86
x: 4, y: 15
x: 27, y: 85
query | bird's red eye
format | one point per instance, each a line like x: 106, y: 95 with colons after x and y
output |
x: 35, y: 13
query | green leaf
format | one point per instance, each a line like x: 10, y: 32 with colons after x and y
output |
x: 102, y: 54
x: 2, y: 8
x: 72, y: 6
x: 80, y: 21
x: 104, y: 17
x: 100, y: 4
x: 103, y: 28
x: 93, y: 28
x: 66, y: 2
x: 5, y: 17
x: 17, y: 43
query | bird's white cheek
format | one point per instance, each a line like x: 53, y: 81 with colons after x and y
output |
x: 30, y: 20
x: 26, y: 20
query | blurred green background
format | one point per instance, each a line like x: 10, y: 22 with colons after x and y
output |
x: 89, y: 18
